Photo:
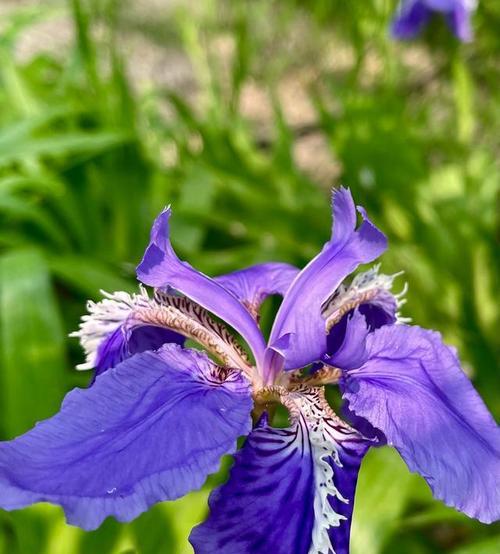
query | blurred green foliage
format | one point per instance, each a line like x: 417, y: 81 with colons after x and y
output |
x: 87, y: 159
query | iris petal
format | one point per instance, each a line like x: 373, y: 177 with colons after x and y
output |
x: 290, y: 490
x: 352, y: 351
x: 369, y: 291
x: 411, y: 388
x: 161, y: 268
x: 151, y: 429
x: 268, y: 503
x: 300, y: 314
x: 410, y: 19
x: 253, y: 284
x: 459, y: 21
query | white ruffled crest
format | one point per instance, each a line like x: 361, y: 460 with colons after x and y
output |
x: 326, y: 434
x: 169, y: 311
x: 369, y: 286
x: 105, y: 317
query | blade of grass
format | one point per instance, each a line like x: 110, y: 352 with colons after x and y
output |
x: 61, y: 145
x: 88, y: 276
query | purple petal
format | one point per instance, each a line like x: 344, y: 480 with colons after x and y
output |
x: 350, y: 457
x: 151, y: 429
x: 376, y: 315
x: 363, y: 426
x: 446, y: 5
x: 336, y: 335
x: 301, y: 311
x: 252, y: 285
x: 413, y: 390
x: 290, y: 490
x: 411, y: 17
x: 149, y: 337
x: 268, y: 503
x: 459, y: 21
x: 161, y: 268
x: 120, y: 344
x: 110, y: 333
x: 352, y: 352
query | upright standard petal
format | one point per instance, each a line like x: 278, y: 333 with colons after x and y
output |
x: 254, y: 284
x: 111, y: 332
x: 411, y: 17
x: 290, y: 490
x: 300, y: 314
x: 161, y: 268
x: 151, y: 429
x: 411, y: 388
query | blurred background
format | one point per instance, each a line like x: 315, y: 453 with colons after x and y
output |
x: 243, y: 115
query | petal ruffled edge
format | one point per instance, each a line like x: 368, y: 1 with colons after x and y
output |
x: 149, y: 430
x: 413, y: 390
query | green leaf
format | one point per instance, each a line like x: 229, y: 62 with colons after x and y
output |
x: 31, y: 342
x: 18, y: 209
x: 382, y: 494
x: 436, y: 513
x: 60, y: 145
x: 184, y: 514
x: 153, y: 532
x: 88, y: 276
x: 103, y: 540
x: 18, y: 131
x: 32, y: 529
x: 464, y: 100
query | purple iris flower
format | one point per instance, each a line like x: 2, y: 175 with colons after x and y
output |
x: 159, y: 415
x: 413, y: 15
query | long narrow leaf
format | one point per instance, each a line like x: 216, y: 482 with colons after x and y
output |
x: 31, y: 341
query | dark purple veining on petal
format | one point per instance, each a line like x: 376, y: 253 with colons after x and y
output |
x: 346, y: 477
x: 267, y: 505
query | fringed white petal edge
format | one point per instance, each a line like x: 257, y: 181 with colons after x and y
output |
x: 369, y: 286
x: 322, y: 423
x: 103, y: 318
x: 177, y: 313
x: 380, y: 282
